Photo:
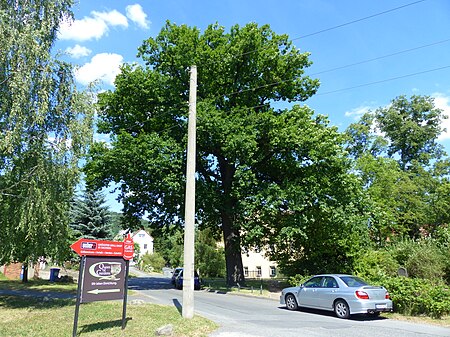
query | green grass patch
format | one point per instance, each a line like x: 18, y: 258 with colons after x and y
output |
x: 263, y: 287
x: 38, y: 285
x: 20, y: 316
x: 443, y: 321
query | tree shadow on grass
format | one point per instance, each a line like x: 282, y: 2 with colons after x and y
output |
x: 29, y: 302
x: 102, y: 325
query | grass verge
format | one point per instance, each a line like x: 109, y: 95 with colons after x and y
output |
x: 20, y: 316
x: 444, y: 321
x: 38, y: 285
x: 44, y: 317
x: 264, y: 288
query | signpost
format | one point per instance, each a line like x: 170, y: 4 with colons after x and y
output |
x: 103, y: 272
x: 91, y: 247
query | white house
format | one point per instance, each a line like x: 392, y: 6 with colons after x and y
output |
x: 145, y: 242
x: 257, y: 265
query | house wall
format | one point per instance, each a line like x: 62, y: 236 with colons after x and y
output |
x: 12, y: 271
x: 256, y: 265
x: 145, y: 242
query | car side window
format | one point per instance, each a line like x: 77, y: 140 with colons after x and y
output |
x: 313, y: 283
x: 330, y: 282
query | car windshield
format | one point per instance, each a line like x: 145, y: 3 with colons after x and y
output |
x: 353, y: 281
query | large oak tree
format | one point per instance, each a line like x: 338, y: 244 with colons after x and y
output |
x: 261, y: 172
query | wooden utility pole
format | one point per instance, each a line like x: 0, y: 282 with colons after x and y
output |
x: 189, y: 227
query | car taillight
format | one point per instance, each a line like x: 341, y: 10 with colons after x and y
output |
x: 387, y: 296
x: 362, y: 295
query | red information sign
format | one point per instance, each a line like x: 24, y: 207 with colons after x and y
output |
x: 90, y: 247
x: 128, y: 248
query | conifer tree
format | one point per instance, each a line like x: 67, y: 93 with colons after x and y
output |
x: 90, y: 218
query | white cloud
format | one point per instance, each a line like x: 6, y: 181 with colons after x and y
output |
x: 136, y: 14
x: 104, y: 67
x: 112, y: 18
x: 357, y: 113
x: 78, y: 51
x: 83, y: 30
x: 92, y: 27
x: 442, y: 102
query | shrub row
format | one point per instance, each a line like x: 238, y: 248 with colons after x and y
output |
x: 418, y: 296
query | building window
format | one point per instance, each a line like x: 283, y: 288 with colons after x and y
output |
x: 258, y: 272
x: 273, y: 271
x: 145, y: 246
x: 245, y: 271
x: 141, y: 235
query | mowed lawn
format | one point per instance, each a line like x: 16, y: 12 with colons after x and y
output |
x: 46, y: 317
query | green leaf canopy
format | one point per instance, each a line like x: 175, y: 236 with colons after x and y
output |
x: 45, y: 126
x: 253, y: 162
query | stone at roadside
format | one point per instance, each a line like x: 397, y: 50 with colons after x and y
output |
x: 166, y: 330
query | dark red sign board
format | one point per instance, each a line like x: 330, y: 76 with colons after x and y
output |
x: 103, y: 279
x: 90, y: 247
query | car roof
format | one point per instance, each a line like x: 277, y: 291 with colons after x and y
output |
x: 336, y: 275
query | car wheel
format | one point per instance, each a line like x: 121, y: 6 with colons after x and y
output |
x: 291, y: 302
x: 341, y: 309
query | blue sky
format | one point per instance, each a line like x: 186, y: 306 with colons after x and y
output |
x: 417, y: 36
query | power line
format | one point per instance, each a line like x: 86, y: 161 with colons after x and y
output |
x: 359, y: 20
x: 342, y: 25
x: 380, y: 57
x: 343, y: 67
x: 357, y: 86
x: 383, y: 81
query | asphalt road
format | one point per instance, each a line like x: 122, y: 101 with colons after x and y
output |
x: 242, y: 316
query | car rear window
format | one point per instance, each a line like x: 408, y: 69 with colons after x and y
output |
x: 353, y: 281
x: 181, y: 273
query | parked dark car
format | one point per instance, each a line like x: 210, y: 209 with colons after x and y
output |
x: 343, y: 294
x: 179, y: 281
x: 175, y: 274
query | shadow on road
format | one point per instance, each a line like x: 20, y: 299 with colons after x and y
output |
x: 357, y: 317
x: 149, y: 283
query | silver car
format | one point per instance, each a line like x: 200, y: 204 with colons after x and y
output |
x: 343, y: 294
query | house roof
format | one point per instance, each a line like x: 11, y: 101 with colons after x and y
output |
x: 140, y: 231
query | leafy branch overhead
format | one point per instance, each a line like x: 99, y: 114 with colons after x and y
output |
x: 254, y: 163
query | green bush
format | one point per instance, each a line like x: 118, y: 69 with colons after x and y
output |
x: 426, y: 261
x: 376, y: 265
x: 413, y: 296
x: 442, y: 238
x: 423, y: 259
x: 298, y: 279
x: 152, y: 262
